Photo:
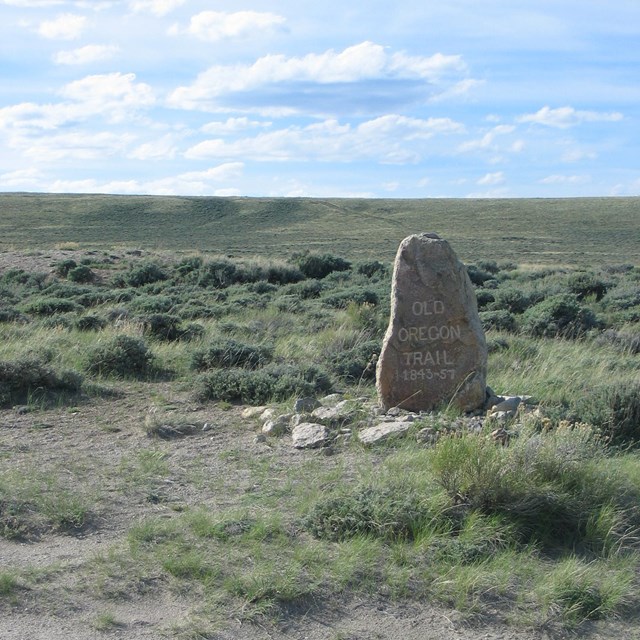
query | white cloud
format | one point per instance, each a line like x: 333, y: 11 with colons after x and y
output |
x: 21, y: 179
x: 161, y: 149
x: 491, y: 179
x: 113, y: 97
x: 67, y: 26
x: 363, y: 63
x: 233, y: 125
x: 488, y: 140
x: 80, y: 146
x: 562, y: 179
x: 212, y: 26
x: 192, y: 183
x: 565, y: 117
x: 577, y: 155
x: 85, y: 55
x: 157, y: 7
x: 392, y: 139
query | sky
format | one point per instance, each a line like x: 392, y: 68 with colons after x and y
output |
x: 402, y: 99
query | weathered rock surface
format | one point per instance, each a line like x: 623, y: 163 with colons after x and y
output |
x: 309, y: 435
x: 434, y: 351
x: 383, y: 431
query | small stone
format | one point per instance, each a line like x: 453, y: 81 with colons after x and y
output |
x: 278, y: 426
x: 305, y: 405
x: 267, y: 414
x: 383, y: 431
x: 510, y: 404
x: 331, y: 400
x: 260, y: 438
x: 309, y: 435
x: 252, y: 412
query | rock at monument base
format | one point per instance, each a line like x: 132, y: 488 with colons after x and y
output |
x: 434, y: 351
x: 384, y: 431
x: 309, y: 435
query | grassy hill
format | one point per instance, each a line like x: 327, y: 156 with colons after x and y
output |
x: 577, y: 231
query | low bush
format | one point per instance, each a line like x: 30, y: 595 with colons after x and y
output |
x: 274, y: 383
x: 585, y: 284
x: 501, y: 320
x: 320, y: 266
x: 90, y: 323
x: 558, y: 316
x: 512, y: 300
x: 151, y: 304
x: 358, y: 363
x: 358, y: 295
x: 123, y: 356
x: 227, y: 353
x: 30, y: 377
x: 49, y: 306
x: 613, y: 409
x: 368, y: 511
x: 164, y: 326
x: 477, y: 275
x: 372, y: 269
x: 142, y: 274
x: 81, y: 274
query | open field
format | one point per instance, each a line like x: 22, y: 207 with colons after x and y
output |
x: 572, y: 231
x: 139, y: 499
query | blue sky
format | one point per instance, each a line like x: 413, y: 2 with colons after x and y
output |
x: 406, y: 99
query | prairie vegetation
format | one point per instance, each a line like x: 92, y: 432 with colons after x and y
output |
x: 543, y: 529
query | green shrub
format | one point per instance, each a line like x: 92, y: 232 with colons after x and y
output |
x: 585, y: 284
x: 143, y: 274
x: 625, y: 341
x: 512, y: 300
x: 123, y: 356
x: 90, y: 323
x: 81, y: 273
x: 49, y: 306
x: 613, y: 409
x: 28, y: 377
x: 320, y: 266
x: 625, y: 296
x: 369, y: 511
x: 164, y: 326
x: 63, y: 267
x: 188, y: 265
x: 558, y: 316
x: 9, y: 314
x: 498, y: 320
x: 306, y: 290
x: 226, y: 353
x: 477, y: 275
x: 358, y: 295
x: 272, y: 383
x: 372, y: 269
x: 217, y: 274
x: 151, y: 304
x: 357, y: 363
x: 484, y: 298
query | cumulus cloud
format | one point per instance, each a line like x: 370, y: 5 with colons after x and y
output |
x: 233, y: 125
x: 113, y: 97
x: 488, y: 140
x: 278, y: 80
x: 67, y: 26
x: 85, y: 55
x: 157, y: 7
x: 565, y: 117
x: 78, y: 145
x: 161, y: 149
x: 392, y: 139
x: 212, y: 26
x: 490, y: 179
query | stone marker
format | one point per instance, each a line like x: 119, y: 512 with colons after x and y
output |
x: 434, y: 352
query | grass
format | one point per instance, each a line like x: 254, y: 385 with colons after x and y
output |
x: 567, y: 231
x: 546, y: 527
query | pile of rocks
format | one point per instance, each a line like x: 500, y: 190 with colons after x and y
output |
x: 316, y: 423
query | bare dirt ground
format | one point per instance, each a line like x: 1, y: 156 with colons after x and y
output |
x: 89, y: 441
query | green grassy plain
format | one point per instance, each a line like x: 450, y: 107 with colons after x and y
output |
x: 572, y: 231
